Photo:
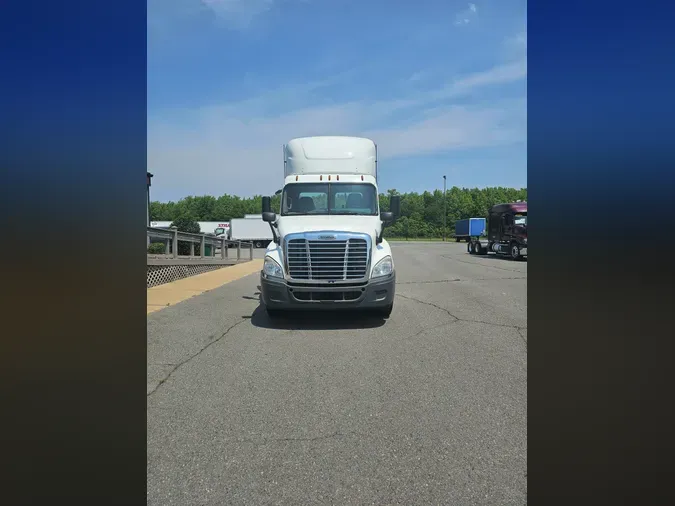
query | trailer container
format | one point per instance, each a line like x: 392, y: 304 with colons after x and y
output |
x: 251, y: 230
x: 470, y: 227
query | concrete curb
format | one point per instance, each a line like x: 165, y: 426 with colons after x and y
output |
x: 168, y: 294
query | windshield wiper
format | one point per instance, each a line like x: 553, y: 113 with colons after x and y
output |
x: 348, y: 213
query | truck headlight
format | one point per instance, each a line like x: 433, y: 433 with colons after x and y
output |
x: 383, y: 268
x: 272, y: 269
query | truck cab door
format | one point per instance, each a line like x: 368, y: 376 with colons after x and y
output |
x: 494, y: 225
x: 506, y: 225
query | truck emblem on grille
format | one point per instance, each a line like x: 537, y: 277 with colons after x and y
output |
x: 327, y: 237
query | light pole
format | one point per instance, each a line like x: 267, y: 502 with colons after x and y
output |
x: 445, y: 208
x: 148, y: 184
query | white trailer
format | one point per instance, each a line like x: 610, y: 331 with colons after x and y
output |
x: 217, y: 228
x: 251, y: 230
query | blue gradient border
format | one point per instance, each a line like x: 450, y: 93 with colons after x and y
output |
x: 600, y: 188
x: 73, y: 109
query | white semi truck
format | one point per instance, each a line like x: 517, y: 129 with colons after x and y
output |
x: 328, y: 251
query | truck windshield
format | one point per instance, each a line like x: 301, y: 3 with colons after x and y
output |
x: 520, y: 219
x: 329, y: 198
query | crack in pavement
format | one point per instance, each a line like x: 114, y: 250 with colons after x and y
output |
x: 458, y: 319
x: 435, y: 327
x: 429, y: 304
x: 425, y: 282
x: 191, y: 357
x: 519, y: 329
x: 455, y: 280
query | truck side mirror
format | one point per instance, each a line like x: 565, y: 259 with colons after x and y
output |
x: 269, y: 217
x: 386, y: 216
x: 395, y: 206
x: 266, y: 205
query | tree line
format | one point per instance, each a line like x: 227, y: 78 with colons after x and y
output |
x: 421, y: 213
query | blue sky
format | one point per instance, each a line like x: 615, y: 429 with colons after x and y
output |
x: 439, y: 85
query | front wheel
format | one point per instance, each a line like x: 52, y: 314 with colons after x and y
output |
x: 514, y: 251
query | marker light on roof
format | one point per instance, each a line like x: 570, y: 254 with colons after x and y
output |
x: 320, y: 178
x: 329, y: 177
x: 361, y: 178
x: 337, y: 177
x: 296, y: 178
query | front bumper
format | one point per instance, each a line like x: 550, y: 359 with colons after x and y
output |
x: 279, y: 294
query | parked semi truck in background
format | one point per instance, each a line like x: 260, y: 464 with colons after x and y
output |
x: 328, y: 250
x: 468, y: 228
x: 217, y: 228
x: 251, y: 230
x: 506, y: 232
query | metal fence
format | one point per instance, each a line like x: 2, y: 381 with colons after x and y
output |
x: 171, y: 237
x: 170, y: 266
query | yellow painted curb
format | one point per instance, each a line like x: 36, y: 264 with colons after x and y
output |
x: 159, y: 297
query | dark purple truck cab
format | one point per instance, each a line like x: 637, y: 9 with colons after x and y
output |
x: 507, y: 232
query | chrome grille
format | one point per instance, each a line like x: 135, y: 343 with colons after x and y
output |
x: 327, y: 260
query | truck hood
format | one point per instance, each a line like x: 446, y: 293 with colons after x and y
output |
x: 370, y: 225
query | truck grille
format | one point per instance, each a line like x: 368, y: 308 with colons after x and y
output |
x: 327, y: 260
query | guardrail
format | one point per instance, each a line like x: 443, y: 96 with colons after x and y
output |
x: 171, y: 237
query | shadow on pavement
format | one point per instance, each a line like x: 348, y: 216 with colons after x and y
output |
x: 317, y: 320
x: 500, y: 258
x: 490, y: 257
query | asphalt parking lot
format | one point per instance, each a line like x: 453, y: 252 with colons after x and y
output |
x: 428, y: 407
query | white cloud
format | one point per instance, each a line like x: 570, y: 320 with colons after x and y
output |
x: 467, y: 15
x: 239, y: 12
x: 167, y: 17
x: 500, y: 74
x: 454, y: 128
x: 417, y: 76
x: 236, y: 147
x: 522, y: 38
x: 515, y: 47
x: 518, y: 41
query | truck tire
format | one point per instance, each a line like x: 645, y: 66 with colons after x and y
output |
x: 469, y: 248
x: 514, y: 251
x: 478, y: 249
